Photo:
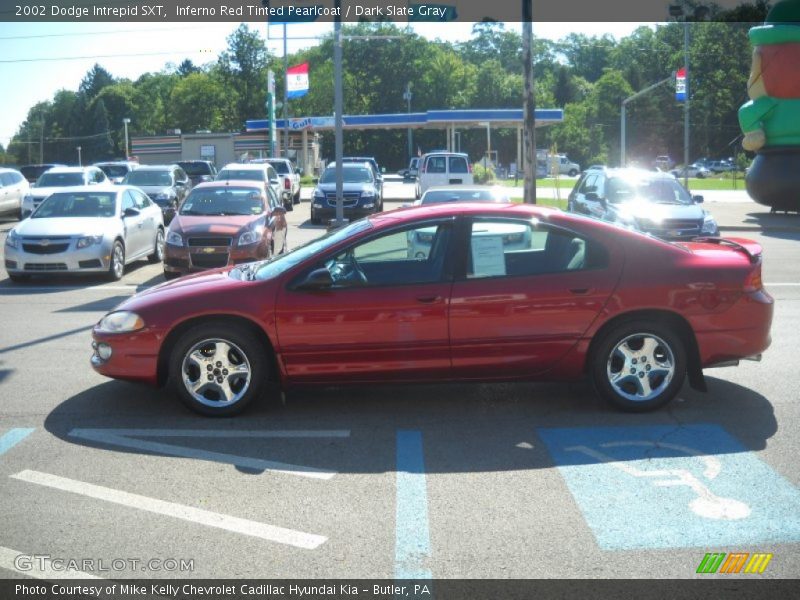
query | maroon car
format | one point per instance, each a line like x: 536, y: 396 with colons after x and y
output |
x: 224, y: 223
x: 450, y: 292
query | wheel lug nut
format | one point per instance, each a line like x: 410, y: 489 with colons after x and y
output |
x: 219, y: 364
x: 210, y: 377
x: 224, y: 371
x: 634, y: 361
x: 641, y: 374
x: 633, y: 371
x: 647, y: 368
x: 219, y: 379
x: 209, y: 367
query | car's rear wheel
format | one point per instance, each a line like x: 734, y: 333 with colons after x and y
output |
x: 158, y: 250
x: 572, y: 172
x: 218, y: 369
x: 296, y: 198
x: 116, y: 267
x: 639, y: 365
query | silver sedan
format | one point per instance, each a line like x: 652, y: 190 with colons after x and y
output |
x: 91, y: 229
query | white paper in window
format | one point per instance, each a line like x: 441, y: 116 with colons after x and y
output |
x: 488, y: 259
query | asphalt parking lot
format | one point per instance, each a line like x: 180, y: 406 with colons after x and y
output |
x: 444, y: 481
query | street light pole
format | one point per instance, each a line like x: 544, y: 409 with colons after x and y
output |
x: 285, y: 96
x: 125, y: 122
x: 338, y: 103
x: 623, y: 137
x: 80, y: 163
x: 529, y: 103
x: 407, y: 97
x: 686, y: 106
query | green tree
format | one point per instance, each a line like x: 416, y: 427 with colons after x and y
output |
x: 243, y: 67
x: 193, y: 91
x: 95, y: 80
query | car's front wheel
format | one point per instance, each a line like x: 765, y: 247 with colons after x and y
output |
x: 116, y: 267
x: 639, y: 365
x: 158, y: 249
x: 218, y: 369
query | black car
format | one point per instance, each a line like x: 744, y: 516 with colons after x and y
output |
x: 166, y: 185
x: 33, y: 172
x: 650, y: 202
x: 360, y: 196
x: 199, y: 171
x: 377, y: 172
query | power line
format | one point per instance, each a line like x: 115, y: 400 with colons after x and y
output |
x: 63, y: 139
x: 94, y: 56
x: 106, y: 32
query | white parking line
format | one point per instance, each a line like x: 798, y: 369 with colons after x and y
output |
x: 67, y: 288
x: 120, y: 437
x: 781, y: 284
x: 9, y: 559
x: 264, y: 531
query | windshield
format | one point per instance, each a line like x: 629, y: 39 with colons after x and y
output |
x: 350, y: 174
x: 239, y: 174
x: 114, y: 170
x: 223, y: 202
x: 69, y: 204
x: 195, y: 168
x: 60, y: 179
x: 439, y: 196
x: 281, y: 167
x: 283, y: 262
x: 154, y: 178
x: 661, y: 191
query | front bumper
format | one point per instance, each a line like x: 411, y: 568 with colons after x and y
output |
x: 94, y: 259
x: 134, y: 356
x: 194, y: 259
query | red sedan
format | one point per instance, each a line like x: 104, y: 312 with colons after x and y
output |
x: 450, y: 292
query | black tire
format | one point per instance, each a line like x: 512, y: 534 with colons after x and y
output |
x: 243, y: 350
x: 661, y: 362
x: 315, y: 220
x: 169, y: 275
x: 296, y: 198
x: 572, y: 173
x: 116, y: 267
x: 19, y: 277
x: 158, y: 248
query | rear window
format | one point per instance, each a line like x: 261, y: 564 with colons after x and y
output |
x: 60, y: 179
x: 280, y: 166
x: 246, y: 174
x: 458, y: 164
x: 195, y: 168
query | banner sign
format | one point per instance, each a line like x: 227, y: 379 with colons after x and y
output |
x: 680, y: 85
x: 297, y: 80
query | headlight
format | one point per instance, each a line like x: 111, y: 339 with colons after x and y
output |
x: 12, y: 241
x: 319, y: 194
x: 174, y: 239
x: 164, y: 196
x: 120, y: 322
x: 368, y: 194
x: 248, y: 237
x: 89, y: 240
x: 709, y: 225
x: 27, y: 200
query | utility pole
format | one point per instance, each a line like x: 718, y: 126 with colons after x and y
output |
x: 529, y: 105
x: 407, y: 97
x: 285, y: 96
x: 125, y: 122
x: 337, y: 109
x: 686, y: 106
x: 41, y: 140
x: 80, y: 162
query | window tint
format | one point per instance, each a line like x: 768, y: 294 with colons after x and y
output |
x: 436, y: 164
x: 409, y: 256
x: 589, y: 184
x: 5, y: 179
x: 128, y: 201
x: 272, y: 199
x: 509, y: 248
x: 458, y: 164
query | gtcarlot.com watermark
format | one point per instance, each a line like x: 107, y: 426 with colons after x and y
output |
x: 47, y: 562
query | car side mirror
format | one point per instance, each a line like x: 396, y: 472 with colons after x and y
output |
x: 279, y: 210
x: 318, y: 279
x: 315, y: 180
x: 274, y: 182
x: 130, y: 212
x: 697, y: 199
x: 205, y: 178
x: 299, y: 171
x: 592, y: 196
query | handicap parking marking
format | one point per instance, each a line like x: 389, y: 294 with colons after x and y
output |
x: 128, y: 438
x: 673, y: 487
x: 412, y: 535
x: 14, y: 437
x: 265, y: 531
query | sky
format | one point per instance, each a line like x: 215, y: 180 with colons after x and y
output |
x: 38, y: 59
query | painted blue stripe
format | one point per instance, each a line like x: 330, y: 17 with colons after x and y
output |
x: 412, y: 536
x: 14, y: 437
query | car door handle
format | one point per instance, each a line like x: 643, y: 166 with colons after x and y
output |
x: 581, y: 291
x: 428, y: 299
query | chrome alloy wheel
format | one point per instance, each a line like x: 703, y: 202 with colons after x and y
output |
x: 640, y: 367
x: 118, y: 261
x: 216, y: 372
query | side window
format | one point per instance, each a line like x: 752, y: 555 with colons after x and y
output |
x: 458, y: 164
x: 140, y: 200
x: 509, y: 248
x: 408, y: 256
x: 181, y: 175
x: 589, y: 185
x: 5, y: 179
x: 272, y: 199
x: 128, y: 201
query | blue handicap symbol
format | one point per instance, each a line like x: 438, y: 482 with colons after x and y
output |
x: 673, y: 487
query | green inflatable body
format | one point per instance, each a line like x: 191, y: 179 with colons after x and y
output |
x: 771, y: 119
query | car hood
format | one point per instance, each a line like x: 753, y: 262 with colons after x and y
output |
x: 61, y: 226
x: 347, y: 187
x: 212, y: 225
x: 155, y: 189
x: 653, y: 211
x: 43, y: 192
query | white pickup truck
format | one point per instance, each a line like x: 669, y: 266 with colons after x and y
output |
x: 290, y: 180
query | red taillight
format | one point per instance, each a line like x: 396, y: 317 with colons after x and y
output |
x: 287, y: 184
x: 753, y: 282
x: 469, y: 167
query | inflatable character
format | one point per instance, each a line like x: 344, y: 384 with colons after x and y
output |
x: 771, y: 119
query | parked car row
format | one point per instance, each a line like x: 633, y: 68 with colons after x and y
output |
x: 77, y: 221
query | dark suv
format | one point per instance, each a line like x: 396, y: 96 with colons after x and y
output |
x: 199, y: 171
x: 166, y: 185
x: 33, y: 172
x: 377, y: 173
x: 360, y: 195
x: 650, y: 202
